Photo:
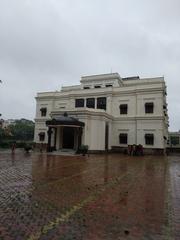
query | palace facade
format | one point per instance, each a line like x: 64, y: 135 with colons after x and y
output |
x: 105, y: 112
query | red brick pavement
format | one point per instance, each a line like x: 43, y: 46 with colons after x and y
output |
x: 175, y: 194
x: 96, y: 197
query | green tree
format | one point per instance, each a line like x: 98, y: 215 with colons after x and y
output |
x: 2, y: 134
x: 22, y: 130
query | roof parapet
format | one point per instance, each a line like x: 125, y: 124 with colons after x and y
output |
x: 102, y: 77
x: 131, y: 78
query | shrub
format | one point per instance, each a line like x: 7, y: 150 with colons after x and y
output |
x: 5, y: 144
x: 83, y: 149
x: 19, y: 144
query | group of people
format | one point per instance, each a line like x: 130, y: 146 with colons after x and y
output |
x: 135, y: 150
x: 27, y: 147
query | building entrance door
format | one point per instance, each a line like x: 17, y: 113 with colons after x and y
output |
x: 68, y: 137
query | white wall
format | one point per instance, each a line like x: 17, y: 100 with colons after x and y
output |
x: 130, y: 100
x: 153, y: 127
x: 40, y: 127
x: 136, y: 123
x: 123, y: 127
x: 94, y: 133
x: 156, y: 98
x: 138, y: 137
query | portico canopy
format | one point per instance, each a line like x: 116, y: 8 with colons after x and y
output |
x: 64, y: 120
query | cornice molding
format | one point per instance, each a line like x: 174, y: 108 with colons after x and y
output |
x: 83, y: 112
x: 138, y: 118
x: 105, y: 94
x: 86, y: 114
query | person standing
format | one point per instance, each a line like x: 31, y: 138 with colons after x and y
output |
x: 130, y: 150
x: 13, y: 147
x: 134, y: 150
x: 41, y: 147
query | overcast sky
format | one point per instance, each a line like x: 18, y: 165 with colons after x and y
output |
x: 45, y: 44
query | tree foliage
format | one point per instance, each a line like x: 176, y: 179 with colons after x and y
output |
x: 22, y: 130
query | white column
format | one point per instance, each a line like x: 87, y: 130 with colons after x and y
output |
x: 95, y: 103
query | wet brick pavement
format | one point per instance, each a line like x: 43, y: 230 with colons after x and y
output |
x: 90, y: 198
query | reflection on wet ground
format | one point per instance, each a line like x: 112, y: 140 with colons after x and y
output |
x: 96, y: 197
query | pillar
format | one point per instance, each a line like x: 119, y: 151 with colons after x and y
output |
x: 49, y: 132
x: 55, y: 137
x: 80, y: 131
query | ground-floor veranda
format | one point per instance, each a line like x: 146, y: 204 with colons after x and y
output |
x: 64, y: 137
x: 64, y: 132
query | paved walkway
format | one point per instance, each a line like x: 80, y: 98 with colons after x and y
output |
x: 89, y: 198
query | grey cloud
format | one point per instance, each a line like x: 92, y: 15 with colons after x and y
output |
x: 48, y: 43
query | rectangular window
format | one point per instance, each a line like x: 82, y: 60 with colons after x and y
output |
x: 86, y: 87
x: 149, y: 139
x: 97, y: 86
x: 90, y: 102
x: 79, y: 102
x: 41, y: 136
x: 174, y: 140
x: 123, y: 138
x: 101, y: 103
x: 123, y: 109
x: 43, y: 112
x: 108, y: 85
x: 149, y: 107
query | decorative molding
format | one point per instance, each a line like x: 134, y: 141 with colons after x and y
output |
x: 149, y: 130
x: 83, y: 112
x: 115, y: 91
x: 124, y: 130
x: 124, y: 100
x: 149, y: 99
x: 138, y: 118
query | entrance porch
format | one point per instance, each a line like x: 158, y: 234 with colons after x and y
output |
x: 64, y: 133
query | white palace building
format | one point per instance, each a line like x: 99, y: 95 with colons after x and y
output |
x: 105, y: 112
